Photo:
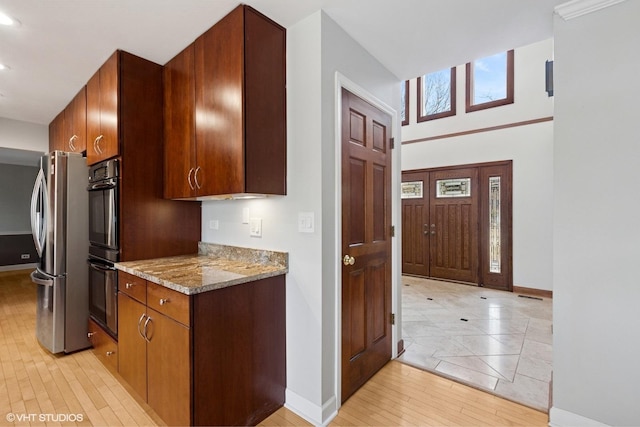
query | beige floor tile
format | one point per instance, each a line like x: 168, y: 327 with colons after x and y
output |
x: 504, y: 346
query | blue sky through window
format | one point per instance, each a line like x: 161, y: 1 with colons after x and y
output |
x: 490, y: 78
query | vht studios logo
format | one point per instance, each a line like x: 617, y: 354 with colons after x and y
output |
x: 55, y: 418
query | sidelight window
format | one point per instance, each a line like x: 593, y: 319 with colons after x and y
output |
x: 494, y: 224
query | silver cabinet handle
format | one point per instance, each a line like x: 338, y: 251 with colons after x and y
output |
x: 164, y: 301
x: 110, y: 353
x: 146, y: 324
x: 90, y: 334
x: 195, y: 177
x: 96, y: 144
x: 189, y: 179
x: 128, y: 285
x: 139, y: 322
x: 72, y: 146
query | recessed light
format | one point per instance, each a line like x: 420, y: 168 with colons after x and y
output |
x: 4, y: 67
x: 7, y: 20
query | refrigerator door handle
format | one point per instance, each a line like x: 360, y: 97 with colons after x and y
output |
x: 39, y: 280
x: 39, y: 219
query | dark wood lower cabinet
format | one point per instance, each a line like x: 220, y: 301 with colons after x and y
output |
x: 169, y: 369
x: 227, y: 367
x: 239, y: 353
x: 132, y: 357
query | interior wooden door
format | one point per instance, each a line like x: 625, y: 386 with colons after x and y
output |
x: 415, y: 223
x: 366, y: 244
x: 453, y: 227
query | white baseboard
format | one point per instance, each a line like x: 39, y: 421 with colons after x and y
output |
x: 316, y: 415
x: 561, y: 418
x: 18, y: 267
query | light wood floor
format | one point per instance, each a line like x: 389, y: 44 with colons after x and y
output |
x: 36, y: 384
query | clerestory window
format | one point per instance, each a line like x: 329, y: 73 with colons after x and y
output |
x: 489, y: 82
x: 437, y: 95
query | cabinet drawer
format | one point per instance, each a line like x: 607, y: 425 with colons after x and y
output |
x: 133, y: 286
x: 104, y: 347
x: 169, y: 302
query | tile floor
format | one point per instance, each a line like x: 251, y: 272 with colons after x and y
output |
x: 503, y: 346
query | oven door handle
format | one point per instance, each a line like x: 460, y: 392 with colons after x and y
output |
x: 110, y: 183
x: 101, y: 267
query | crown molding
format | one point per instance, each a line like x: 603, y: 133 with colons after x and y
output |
x: 575, y: 8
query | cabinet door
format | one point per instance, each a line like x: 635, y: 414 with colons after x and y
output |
x: 102, y: 112
x: 219, y: 95
x: 132, y: 360
x: 104, y: 347
x: 56, y: 133
x: 179, y: 121
x: 93, y: 117
x: 76, y: 123
x: 169, y: 369
x: 108, y: 145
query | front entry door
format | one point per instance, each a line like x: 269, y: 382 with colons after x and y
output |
x: 454, y: 225
x: 366, y: 241
x: 415, y: 223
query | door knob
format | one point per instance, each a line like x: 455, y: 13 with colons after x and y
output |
x: 348, y: 260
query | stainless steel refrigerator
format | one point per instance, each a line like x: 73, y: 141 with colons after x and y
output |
x: 59, y: 223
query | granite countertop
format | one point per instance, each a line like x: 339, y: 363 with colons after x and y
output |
x: 213, y: 267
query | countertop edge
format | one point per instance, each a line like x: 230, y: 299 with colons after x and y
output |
x: 200, y: 289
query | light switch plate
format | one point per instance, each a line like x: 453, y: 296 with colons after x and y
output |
x: 255, y: 227
x: 306, y: 222
x: 213, y: 224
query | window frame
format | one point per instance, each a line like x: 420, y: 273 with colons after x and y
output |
x: 406, y: 120
x: 452, y: 93
x: 509, y: 99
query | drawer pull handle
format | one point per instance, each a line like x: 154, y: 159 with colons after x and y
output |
x: 90, y: 334
x: 164, y: 301
x: 110, y: 353
x: 128, y: 285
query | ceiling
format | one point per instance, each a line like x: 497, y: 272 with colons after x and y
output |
x: 61, y: 43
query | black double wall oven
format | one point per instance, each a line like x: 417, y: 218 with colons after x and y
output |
x: 104, y: 248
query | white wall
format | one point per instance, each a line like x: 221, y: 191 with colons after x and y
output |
x: 596, y: 234
x: 530, y: 147
x: 316, y: 49
x: 23, y: 135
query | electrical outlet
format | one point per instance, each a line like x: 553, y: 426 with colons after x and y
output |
x: 25, y: 256
x: 214, y: 224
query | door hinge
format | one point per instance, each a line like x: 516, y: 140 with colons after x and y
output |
x: 393, y: 143
x: 393, y: 318
x: 393, y: 231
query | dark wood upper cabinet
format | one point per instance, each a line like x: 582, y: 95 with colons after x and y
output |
x: 102, y: 111
x: 56, y: 133
x: 179, y: 125
x: 75, y: 123
x: 225, y: 110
